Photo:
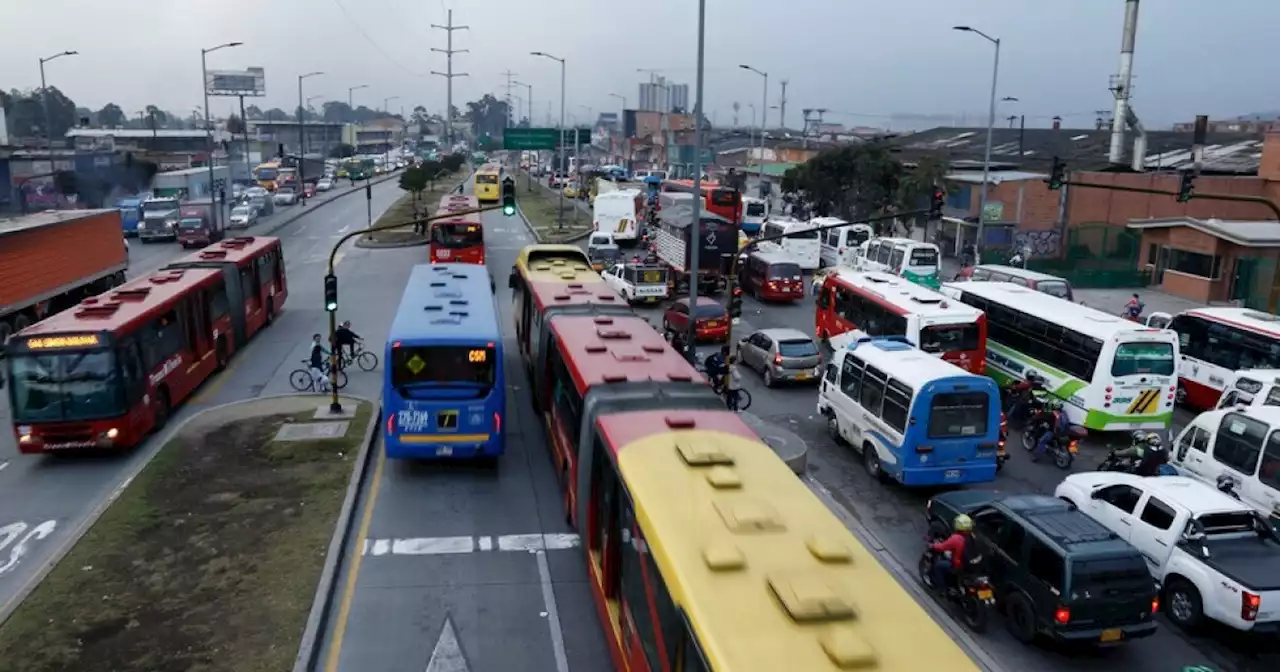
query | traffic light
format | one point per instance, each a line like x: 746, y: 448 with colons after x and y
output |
x: 508, y: 196
x: 935, y: 206
x: 1187, y: 187
x: 735, y: 303
x: 331, y: 293
x: 1057, y: 174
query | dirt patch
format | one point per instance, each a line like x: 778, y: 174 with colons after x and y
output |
x: 208, y: 562
x: 403, y: 211
x: 541, y: 207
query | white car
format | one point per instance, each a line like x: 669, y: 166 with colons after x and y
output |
x: 637, y: 283
x: 1213, y: 555
x: 285, y: 196
x: 325, y: 184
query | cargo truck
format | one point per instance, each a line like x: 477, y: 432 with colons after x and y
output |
x: 51, y: 260
x: 159, y: 219
x: 196, y: 225
x: 717, y: 240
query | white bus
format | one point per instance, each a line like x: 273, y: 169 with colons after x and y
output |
x: 614, y: 212
x: 1216, y: 343
x: 754, y: 213
x: 1111, y: 374
x: 1252, y: 387
x: 803, y: 245
x: 916, y: 261
x: 840, y: 247
x: 1243, y: 444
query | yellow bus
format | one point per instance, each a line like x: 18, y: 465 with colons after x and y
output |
x: 265, y: 175
x: 705, y: 552
x: 488, y: 185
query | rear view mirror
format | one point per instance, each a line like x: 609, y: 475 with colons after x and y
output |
x: 1096, y: 494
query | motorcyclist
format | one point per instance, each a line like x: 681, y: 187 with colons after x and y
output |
x: 1058, y: 426
x: 945, y: 569
x: 1133, y: 308
x: 1024, y: 395
x: 1154, y: 457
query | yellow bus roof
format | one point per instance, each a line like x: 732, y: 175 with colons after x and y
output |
x: 554, y: 262
x: 489, y: 168
x: 769, y: 577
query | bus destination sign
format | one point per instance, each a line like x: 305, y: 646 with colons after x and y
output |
x: 58, y: 342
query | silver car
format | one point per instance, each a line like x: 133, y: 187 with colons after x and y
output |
x: 243, y: 217
x: 782, y: 355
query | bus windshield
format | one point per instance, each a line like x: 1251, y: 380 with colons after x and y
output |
x: 940, y: 338
x: 455, y: 235
x: 65, y: 386
x: 1143, y: 359
x: 956, y: 415
x: 924, y: 256
x: 266, y: 173
x: 430, y: 365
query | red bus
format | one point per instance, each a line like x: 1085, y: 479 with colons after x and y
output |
x: 880, y: 304
x: 111, y: 370
x: 253, y: 269
x: 723, y: 201
x: 458, y: 240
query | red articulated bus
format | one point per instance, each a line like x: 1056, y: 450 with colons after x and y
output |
x: 253, y: 269
x: 721, y: 200
x: 458, y: 240
x: 110, y: 371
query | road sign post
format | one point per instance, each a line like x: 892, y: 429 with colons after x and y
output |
x: 542, y: 138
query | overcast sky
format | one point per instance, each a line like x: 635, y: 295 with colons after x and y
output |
x: 861, y: 59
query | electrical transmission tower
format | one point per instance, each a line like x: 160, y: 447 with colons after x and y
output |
x: 508, y: 75
x: 449, y: 74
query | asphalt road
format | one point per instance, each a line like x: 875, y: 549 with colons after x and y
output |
x: 44, y: 500
x: 464, y: 567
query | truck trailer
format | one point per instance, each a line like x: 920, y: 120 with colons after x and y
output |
x: 51, y: 260
x: 717, y: 240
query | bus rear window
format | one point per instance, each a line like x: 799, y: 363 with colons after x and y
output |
x: 923, y: 256
x: 487, y: 179
x: 457, y: 235
x: 949, y: 338
x: 755, y: 209
x: 1143, y: 359
x: 726, y: 197
x: 442, y: 365
x: 803, y: 234
x: 785, y: 272
x: 956, y: 415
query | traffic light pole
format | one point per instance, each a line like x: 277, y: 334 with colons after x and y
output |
x: 1260, y: 200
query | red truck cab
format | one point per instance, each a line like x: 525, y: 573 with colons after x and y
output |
x: 196, y: 225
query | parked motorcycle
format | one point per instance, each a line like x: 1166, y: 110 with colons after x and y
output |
x: 972, y: 595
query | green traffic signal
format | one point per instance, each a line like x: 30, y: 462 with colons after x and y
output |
x: 508, y: 197
x: 331, y: 293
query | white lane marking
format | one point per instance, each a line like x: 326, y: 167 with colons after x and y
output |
x: 12, y: 531
x: 553, y: 614
x: 3, y: 465
x: 345, y: 228
x: 520, y: 543
x: 447, y: 656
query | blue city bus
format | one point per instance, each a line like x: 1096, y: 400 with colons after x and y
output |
x: 444, y: 391
x: 130, y: 209
x: 916, y: 418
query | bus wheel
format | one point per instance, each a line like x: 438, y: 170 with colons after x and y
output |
x: 871, y: 462
x: 162, y: 410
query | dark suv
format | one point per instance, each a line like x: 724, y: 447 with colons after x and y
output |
x: 1057, y: 572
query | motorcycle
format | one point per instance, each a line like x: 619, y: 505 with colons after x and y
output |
x: 973, y: 595
x: 1114, y: 462
x: 1002, y: 452
x: 1062, y: 449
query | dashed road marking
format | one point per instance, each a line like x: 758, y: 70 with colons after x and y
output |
x: 522, y: 543
x: 3, y: 465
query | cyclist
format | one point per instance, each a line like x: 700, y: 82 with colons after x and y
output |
x: 732, y: 382
x: 344, y: 336
x: 318, y: 353
x: 718, y: 366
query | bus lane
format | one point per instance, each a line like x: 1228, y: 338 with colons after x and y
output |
x: 459, y: 566
x: 46, y: 500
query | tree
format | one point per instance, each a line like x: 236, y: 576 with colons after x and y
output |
x: 488, y: 116
x: 414, y: 180
x: 25, y: 113
x: 157, y: 115
x: 275, y: 114
x: 342, y: 151
x: 235, y: 125
x: 433, y: 170
x: 335, y: 112
x: 854, y: 182
x: 253, y: 112
x: 111, y: 116
x: 452, y: 162
x: 915, y: 189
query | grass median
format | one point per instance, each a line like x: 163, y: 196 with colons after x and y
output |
x: 541, y: 207
x: 403, y: 211
x: 209, y: 560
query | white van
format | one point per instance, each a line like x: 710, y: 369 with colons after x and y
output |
x: 911, y: 259
x: 1244, y: 444
x: 840, y: 246
x: 1253, y: 387
x: 754, y: 213
x: 614, y: 212
x: 803, y: 246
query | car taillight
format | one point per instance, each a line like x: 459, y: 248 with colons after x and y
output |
x: 1249, y: 605
x: 497, y: 423
x: 391, y: 423
x: 1062, y: 615
x: 777, y: 360
x: 1155, y: 604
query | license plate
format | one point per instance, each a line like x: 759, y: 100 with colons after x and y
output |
x: 951, y: 474
x: 786, y: 289
x: 1112, y: 635
x: 444, y: 451
x: 802, y: 376
x: 984, y: 594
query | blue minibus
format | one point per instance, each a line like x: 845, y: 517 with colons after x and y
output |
x: 915, y: 418
x: 444, y: 391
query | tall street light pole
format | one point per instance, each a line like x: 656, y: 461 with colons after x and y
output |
x: 208, y: 127
x: 564, y: 160
x: 528, y: 98
x: 536, y: 161
x: 695, y: 238
x: 44, y: 100
x: 764, y: 113
x: 350, y: 97
x: 386, y: 154
x: 991, y: 121
x: 302, y: 140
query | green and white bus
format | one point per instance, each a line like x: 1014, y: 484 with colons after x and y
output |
x: 911, y: 259
x: 1112, y: 374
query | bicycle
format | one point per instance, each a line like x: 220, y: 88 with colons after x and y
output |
x: 302, y: 381
x: 717, y: 385
x: 367, y: 361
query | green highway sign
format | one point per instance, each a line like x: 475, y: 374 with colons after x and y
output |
x: 541, y: 138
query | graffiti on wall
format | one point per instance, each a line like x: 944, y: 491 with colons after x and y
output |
x: 1042, y: 244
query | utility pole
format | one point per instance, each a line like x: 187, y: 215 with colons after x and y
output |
x: 509, y: 75
x: 782, y: 106
x: 449, y: 74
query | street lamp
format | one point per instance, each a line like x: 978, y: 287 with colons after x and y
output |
x: 44, y: 100
x: 991, y: 121
x: 208, y: 127
x: 311, y: 98
x: 351, y: 89
x: 528, y: 98
x: 564, y: 166
x: 302, y: 140
x: 764, y: 112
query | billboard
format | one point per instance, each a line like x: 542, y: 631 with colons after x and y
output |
x: 248, y: 82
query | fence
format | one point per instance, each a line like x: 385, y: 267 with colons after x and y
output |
x: 1095, y: 256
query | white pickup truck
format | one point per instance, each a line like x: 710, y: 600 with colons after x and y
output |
x: 637, y: 283
x: 1214, y: 556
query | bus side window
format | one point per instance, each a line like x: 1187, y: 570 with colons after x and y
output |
x: 565, y: 396
x: 1196, y: 439
x: 872, y: 394
x: 635, y: 597
x: 1239, y: 443
x: 886, y: 251
x: 603, y: 541
x: 135, y: 377
x: 895, y: 259
x: 851, y: 376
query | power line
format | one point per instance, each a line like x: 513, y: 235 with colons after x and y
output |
x: 372, y: 43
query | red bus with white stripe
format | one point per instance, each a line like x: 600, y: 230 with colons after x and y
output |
x: 1217, y: 343
x: 881, y: 304
x: 460, y: 239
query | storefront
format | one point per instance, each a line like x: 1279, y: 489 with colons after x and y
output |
x: 1212, y: 260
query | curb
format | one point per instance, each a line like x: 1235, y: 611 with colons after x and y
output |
x: 304, y: 210
x: 373, y: 245
x: 318, y: 619
x: 906, y: 578
x: 7, y: 609
x: 548, y: 241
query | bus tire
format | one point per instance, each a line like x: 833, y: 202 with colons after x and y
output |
x: 833, y: 428
x: 161, y: 410
x: 871, y: 462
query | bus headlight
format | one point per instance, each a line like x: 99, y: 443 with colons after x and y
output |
x: 112, y: 433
